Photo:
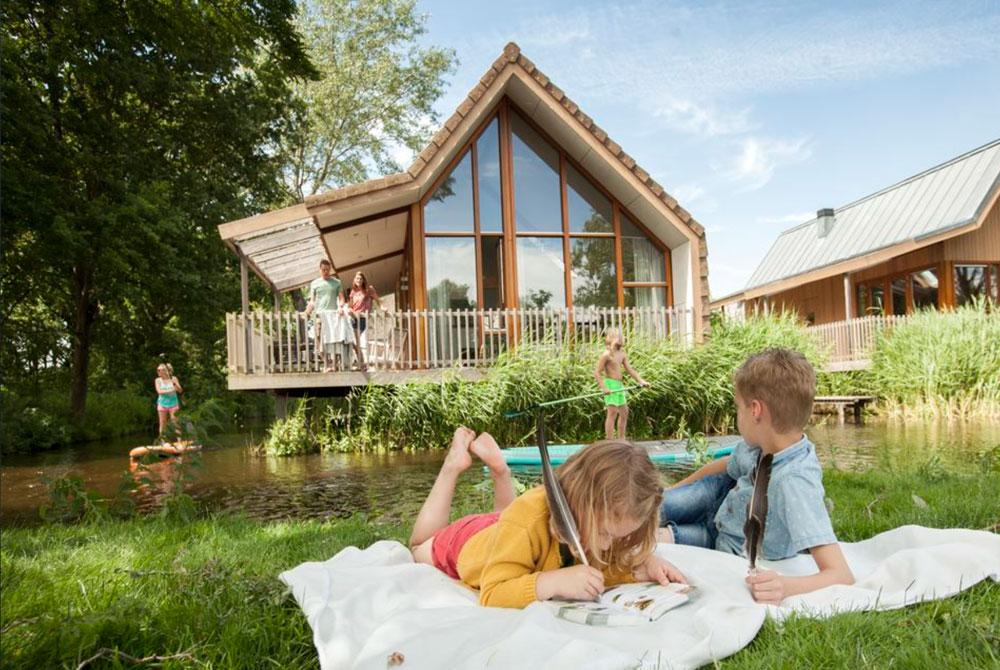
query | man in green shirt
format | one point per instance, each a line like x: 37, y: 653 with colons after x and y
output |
x: 325, y: 295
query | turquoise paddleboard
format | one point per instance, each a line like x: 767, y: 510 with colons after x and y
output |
x: 558, y: 453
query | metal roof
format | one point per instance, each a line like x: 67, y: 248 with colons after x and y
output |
x: 947, y: 196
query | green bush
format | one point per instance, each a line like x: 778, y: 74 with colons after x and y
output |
x: 29, y: 428
x: 291, y: 436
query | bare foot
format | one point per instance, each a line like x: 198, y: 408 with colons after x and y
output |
x: 458, y: 457
x: 486, y: 448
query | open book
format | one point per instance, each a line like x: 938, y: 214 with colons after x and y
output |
x: 626, y: 605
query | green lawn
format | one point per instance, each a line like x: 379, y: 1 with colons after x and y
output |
x: 206, y: 593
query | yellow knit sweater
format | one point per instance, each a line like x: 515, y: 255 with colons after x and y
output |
x: 503, y: 560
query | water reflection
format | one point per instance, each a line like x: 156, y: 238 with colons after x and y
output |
x: 392, y: 486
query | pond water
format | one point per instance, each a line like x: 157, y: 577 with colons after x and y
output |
x: 391, y: 486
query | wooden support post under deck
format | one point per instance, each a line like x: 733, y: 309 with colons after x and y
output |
x: 280, y: 405
x: 277, y: 301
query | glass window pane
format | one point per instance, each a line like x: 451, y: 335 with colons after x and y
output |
x: 450, y: 208
x: 589, y: 210
x: 641, y: 260
x: 878, y: 300
x: 652, y: 296
x: 541, y: 272
x: 488, y: 157
x: 925, y: 288
x: 898, y: 296
x: 451, y: 272
x: 593, y: 272
x: 862, y: 300
x: 970, y: 283
x: 537, y: 205
x: 492, y: 254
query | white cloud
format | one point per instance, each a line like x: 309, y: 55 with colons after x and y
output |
x: 758, y: 157
x: 642, y: 53
x: 687, y: 193
x: 703, y: 120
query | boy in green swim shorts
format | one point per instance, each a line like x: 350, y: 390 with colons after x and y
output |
x: 609, y: 377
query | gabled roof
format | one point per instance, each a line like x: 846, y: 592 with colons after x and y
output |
x: 511, y: 56
x: 943, y: 199
x: 514, y: 76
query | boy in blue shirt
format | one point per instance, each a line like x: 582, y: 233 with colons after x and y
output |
x: 774, y: 398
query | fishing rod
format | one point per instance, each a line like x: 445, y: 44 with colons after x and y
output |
x: 534, y: 408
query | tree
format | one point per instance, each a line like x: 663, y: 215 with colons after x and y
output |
x: 131, y: 129
x: 375, y: 93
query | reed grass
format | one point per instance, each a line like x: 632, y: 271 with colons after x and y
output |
x: 691, y: 391
x: 942, y: 364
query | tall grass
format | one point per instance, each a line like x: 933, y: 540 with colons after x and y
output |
x: 691, y: 390
x: 941, y: 363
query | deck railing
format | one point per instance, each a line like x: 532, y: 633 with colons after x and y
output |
x: 275, y: 343
x: 853, y: 340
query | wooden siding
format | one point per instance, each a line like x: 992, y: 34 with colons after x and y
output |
x: 825, y: 298
x: 982, y: 244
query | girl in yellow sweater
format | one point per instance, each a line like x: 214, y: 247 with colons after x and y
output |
x: 514, y: 556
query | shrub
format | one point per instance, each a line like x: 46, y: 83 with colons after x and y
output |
x: 291, y: 436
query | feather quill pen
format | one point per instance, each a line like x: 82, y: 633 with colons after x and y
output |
x: 753, y: 529
x: 562, y: 515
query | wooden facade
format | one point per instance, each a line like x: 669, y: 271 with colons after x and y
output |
x: 929, y: 241
x: 894, y: 286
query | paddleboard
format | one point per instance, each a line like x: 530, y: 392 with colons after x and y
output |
x: 558, y: 453
x: 163, y: 451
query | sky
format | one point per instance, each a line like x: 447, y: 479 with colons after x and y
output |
x: 753, y: 114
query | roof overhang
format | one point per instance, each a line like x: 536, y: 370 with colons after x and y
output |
x: 282, y: 247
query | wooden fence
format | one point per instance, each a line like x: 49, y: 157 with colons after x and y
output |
x: 850, y: 343
x: 287, y: 342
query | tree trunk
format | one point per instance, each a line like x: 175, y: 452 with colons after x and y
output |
x: 84, y: 311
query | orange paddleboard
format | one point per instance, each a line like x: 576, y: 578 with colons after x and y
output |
x: 164, y: 451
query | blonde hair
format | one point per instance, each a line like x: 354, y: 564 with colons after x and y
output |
x: 613, y: 336
x: 611, y: 481
x: 783, y: 380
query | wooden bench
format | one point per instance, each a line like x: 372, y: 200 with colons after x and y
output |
x: 841, y: 402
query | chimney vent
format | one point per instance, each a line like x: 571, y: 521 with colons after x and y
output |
x: 825, y: 218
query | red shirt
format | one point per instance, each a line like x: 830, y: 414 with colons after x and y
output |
x: 361, y: 300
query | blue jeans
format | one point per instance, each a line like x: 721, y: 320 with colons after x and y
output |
x: 689, y: 511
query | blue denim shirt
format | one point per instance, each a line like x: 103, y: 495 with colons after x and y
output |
x: 796, y: 518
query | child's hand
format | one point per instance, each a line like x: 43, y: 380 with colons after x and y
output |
x: 580, y: 582
x: 643, y: 382
x: 766, y: 587
x: 656, y: 569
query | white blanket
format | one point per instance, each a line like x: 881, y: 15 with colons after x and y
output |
x: 364, y: 605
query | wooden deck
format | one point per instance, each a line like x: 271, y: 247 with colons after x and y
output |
x: 279, y: 352
x: 842, y: 402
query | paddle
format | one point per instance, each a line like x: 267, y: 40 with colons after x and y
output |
x: 515, y: 413
x: 757, y: 509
